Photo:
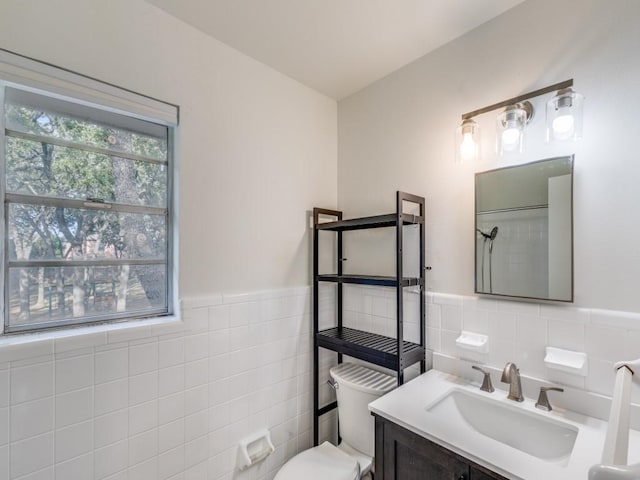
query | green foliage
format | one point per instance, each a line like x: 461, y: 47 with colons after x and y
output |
x: 41, y: 168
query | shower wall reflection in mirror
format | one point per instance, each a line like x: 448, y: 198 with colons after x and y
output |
x: 524, y: 230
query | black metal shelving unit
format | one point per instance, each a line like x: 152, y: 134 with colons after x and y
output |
x: 392, y: 353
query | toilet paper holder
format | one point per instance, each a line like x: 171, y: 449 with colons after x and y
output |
x: 254, y: 448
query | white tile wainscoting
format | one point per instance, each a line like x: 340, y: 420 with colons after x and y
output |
x: 518, y: 332
x: 166, y: 401
x: 171, y: 401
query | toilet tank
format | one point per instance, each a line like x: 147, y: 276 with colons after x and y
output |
x: 357, y: 387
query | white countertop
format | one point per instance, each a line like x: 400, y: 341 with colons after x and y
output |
x: 406, y: 406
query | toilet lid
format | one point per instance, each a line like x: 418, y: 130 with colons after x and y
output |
x: 324, y: 462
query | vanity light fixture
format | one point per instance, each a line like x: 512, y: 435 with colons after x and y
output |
x: 467, y: 141
x: 564, y: 116
x: 510, y: 127
x: 564, y: 121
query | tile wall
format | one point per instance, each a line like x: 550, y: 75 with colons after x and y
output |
x: 172, y: 401
x: 163, y: 402
x: 518, y: 332
x: 374, y: 310
x: 521, y: 242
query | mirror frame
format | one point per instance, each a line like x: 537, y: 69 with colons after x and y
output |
x: 571, y: 158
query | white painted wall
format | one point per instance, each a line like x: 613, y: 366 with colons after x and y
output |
x: 256, y: 148
x: 398, y: 134
x: 256, y: 152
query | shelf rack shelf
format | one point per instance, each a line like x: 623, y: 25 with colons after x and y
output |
x: 378, y: 221
x: 374, y: 280
x: 392, y: 353
x: 370, y: 347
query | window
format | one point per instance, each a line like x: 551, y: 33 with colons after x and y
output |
x: 87, y: 213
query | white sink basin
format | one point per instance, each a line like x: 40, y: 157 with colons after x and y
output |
x: 515, y: 440
x: 536, y: 435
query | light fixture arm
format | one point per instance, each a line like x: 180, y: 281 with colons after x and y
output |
x: 519, y: 99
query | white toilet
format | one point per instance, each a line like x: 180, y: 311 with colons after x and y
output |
x: 357, y: 386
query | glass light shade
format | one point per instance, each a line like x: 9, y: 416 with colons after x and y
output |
x: 564, y: 116
x: 467, y: 141
x: 510, y: 128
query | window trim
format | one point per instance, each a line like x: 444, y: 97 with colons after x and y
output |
x: 47, y: 80
x: 58, y: 82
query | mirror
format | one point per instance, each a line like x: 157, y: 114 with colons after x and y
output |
x: 524, y: 230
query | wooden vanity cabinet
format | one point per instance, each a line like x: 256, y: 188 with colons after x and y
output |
x: 403, y: 455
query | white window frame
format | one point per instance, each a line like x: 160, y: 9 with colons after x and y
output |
x: 30, y: 75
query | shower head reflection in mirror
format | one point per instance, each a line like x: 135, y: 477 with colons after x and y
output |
x: 491, y: 236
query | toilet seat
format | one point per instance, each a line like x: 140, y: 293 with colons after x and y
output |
x: 324, y: 462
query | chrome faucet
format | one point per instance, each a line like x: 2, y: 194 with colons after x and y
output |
x: 511, y: 375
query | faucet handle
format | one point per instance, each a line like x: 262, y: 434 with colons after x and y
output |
x: 487, y: 386
x: 543, y: 399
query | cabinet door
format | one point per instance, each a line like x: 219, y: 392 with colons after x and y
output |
x: 410, y: 457
x: 477, y: 474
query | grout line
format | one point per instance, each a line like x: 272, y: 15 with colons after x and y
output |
x: 93, y: 414
x: 157, y: 427
x: 10, y: 423
x: 55, y: 431
x: 27, y: 475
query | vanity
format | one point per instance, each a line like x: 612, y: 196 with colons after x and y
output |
x: 441, y: 426
x: 402, y: 455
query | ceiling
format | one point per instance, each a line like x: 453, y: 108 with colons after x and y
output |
x: 335, y: 46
